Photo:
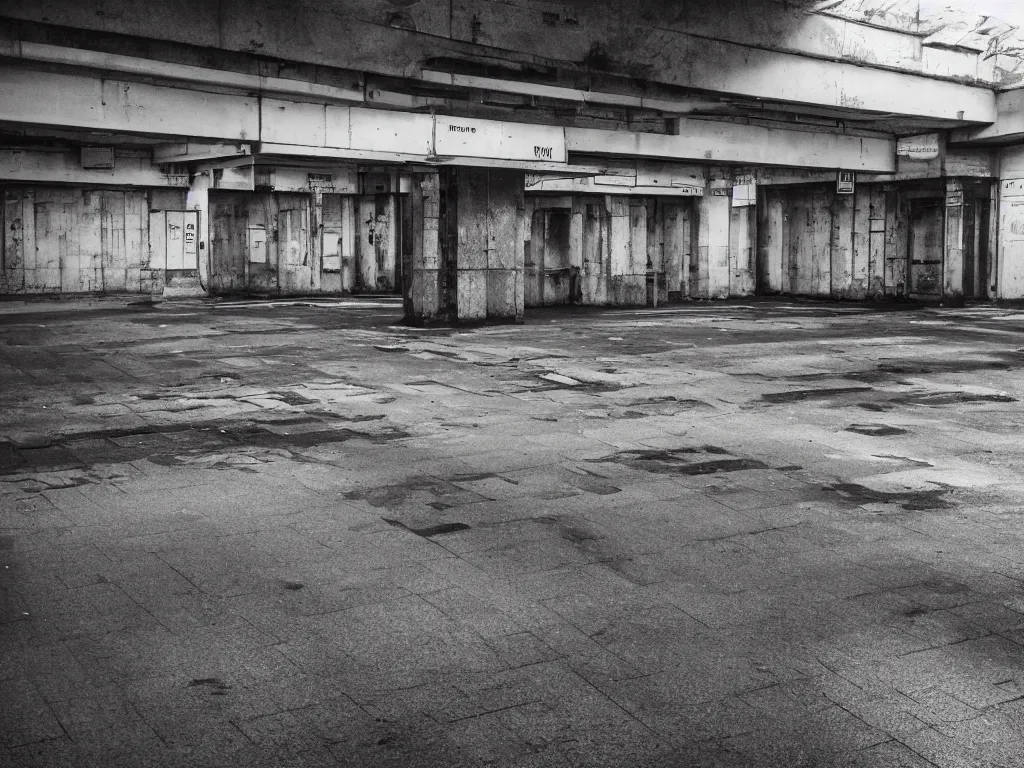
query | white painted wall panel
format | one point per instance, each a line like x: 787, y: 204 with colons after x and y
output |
x: 392, y: 132
x: 290, y: 122
x: 338, y: 127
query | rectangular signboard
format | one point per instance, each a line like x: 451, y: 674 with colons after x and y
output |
x: 470, y: 137
x: 925, y: 147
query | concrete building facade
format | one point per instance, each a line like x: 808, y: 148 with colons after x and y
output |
x: 482, y: 157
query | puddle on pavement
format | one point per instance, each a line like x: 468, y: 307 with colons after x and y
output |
x: 685, y: 461
x: 953, y: 398
x: 875, y: 430
x: 799, y: 395
x: 920, y: 500
x: 178, y: 444
x: 441, y: 529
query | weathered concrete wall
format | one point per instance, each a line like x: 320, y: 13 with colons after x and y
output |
x: 814, y: 242
x: 801, y: 240
x: 376, y: 268
x: 602, y: 250
x: 262, y: 242
x: 65, y: 240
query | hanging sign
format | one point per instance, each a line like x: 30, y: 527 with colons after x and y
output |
x: 845, y: 182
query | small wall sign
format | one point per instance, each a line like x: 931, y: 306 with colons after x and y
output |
x: 846, y: 182
x: 320, y: 181
x: 925, y: 147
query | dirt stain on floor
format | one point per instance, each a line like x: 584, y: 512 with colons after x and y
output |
x: 953, y: 398
x: 176, y: 444
x: 917, y: 500
x: 798, y: 395
x: 875, y: 430
x: 686, y: 461
x: 441, y: 529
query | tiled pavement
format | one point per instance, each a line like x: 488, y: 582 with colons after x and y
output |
x: 757, y: 535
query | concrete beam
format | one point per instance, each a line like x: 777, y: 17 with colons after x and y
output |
x: 133, y: 65
x: 131, y: 169
x: 91, y: 101
x: 679, y: 107
x: 722, y: 142
x: 702, y: 56
x: 426, y: 161
x: 192, y: 151
x: 1007, y: 127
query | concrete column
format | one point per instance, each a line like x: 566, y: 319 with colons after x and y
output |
x: 198, y: 199
x: 953, y: 243
x: 1009, y: 267
x: 627, y: 252
x: 742, y: 249
x: 771, y: 238
x: 896, y: 239
x: 841, y: 256
x: 876, y: 242
x: 713, y: 237
x: 423, y: 301
x: 316, y: 240
x: 468, y: 259
x: 675, y: 235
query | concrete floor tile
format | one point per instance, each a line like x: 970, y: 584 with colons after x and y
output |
x: 26, y: 718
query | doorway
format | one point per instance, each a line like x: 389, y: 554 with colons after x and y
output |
x: 976, y: 257
x: 550, y: 274
x: 925, y: 246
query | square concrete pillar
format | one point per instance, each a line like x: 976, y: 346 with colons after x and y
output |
x: 422, y: 290
x: 742, y: 248
x: 953, y: 257
x: 1009, y: 268
x: 715, y: 213
x: 468, y: 246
